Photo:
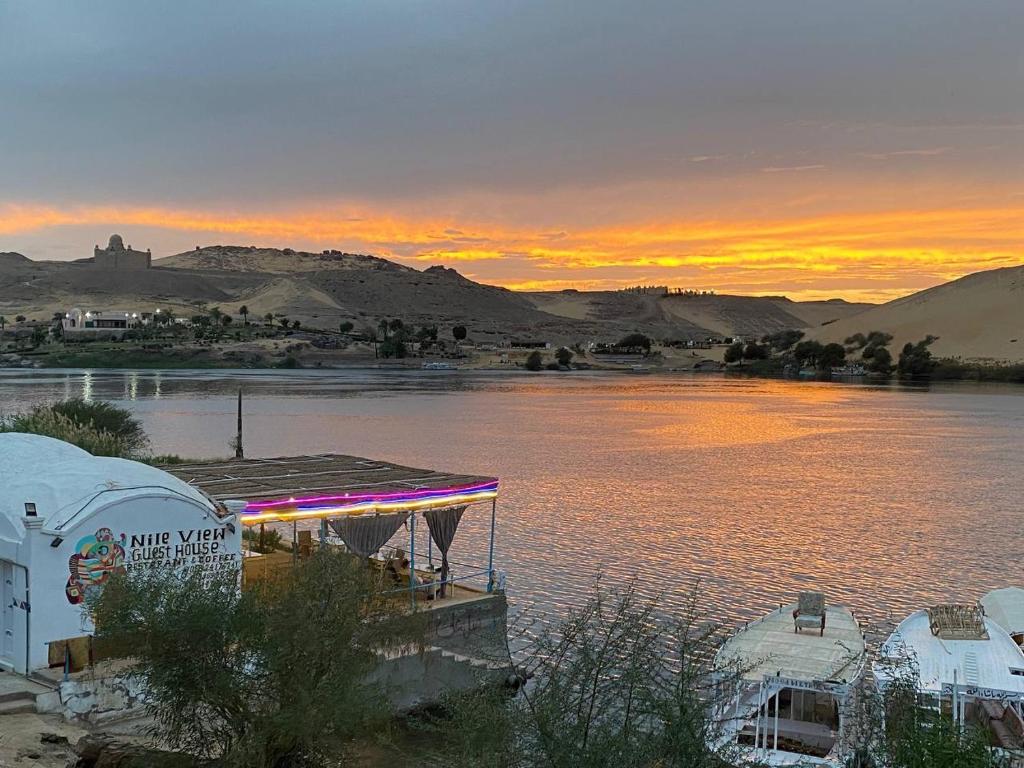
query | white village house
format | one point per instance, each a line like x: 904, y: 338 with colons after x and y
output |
x: 69, y: 520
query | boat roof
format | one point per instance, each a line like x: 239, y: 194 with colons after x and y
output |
x: 769, y: 646
x: 1006, y: 608
x: 325, y: 485
x: 986, y: 663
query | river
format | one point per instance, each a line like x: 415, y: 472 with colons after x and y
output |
x: 887, y: 498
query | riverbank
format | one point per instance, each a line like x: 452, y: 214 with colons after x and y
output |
x: 301, y: 350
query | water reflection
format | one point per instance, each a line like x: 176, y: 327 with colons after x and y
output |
x: 887, y: 498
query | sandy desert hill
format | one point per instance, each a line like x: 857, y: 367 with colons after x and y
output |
x: 323, y: 289
x: 979, y: 317
x: 679, y: 315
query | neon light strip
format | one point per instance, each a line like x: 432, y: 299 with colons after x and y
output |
x: 357, y: 497
x: 305, y: 513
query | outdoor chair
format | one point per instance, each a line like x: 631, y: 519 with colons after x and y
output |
x: 810, y: 612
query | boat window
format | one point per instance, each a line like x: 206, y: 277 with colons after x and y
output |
x: 1019, y: 672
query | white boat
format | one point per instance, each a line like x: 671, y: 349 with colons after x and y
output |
x: 1006, y: 608
x: 966, y: 666
x: 785, y: 685
x: 439, y: 366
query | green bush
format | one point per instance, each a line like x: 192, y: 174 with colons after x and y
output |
x: 534, y: 362
x: 100, y: 428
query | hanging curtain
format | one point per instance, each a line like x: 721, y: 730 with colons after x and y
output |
x: 443, y: 523
x: 366, y: 534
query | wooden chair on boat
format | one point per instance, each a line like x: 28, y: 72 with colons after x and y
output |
x: 810, y: 612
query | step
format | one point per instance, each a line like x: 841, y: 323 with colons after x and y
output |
x: 17, y: 706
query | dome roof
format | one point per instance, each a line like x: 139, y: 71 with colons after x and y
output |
x: 62, y: 480
x: 115, y: 244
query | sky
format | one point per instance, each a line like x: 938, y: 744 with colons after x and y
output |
x: 813, y: 148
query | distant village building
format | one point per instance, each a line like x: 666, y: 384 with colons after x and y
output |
x: 110, y: 321
x: 116, y: 256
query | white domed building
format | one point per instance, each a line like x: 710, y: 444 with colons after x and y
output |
x: 69, y: 520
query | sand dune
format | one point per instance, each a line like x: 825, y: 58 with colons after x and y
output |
x: 979, y: 317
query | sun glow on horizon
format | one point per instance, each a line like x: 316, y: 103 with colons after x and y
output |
x: 863, y: 256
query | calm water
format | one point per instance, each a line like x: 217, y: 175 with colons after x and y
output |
x: 886, y: 498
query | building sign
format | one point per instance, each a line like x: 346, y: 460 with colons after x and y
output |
x: 101, y: 555
x: 775, y: 683
x: 985, y: 694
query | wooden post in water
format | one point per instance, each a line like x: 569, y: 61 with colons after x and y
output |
x: 239, y: 452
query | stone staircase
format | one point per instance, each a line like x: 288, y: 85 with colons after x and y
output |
x: 18, y: 694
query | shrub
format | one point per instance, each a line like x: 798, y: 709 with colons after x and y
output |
x: 734, y: 352
x: 635, y: 341
x: 755, y: 352
x: 563, y: 356
x: 275, y: 675
x: 100, y: 428
x: 44, y: 421
x: 534, y: 362
x: 916, y: 359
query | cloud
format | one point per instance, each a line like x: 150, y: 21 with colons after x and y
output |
x: 792, y: 168
x: 929, y: 152
x: 707, y: 158
x: 859, y: 255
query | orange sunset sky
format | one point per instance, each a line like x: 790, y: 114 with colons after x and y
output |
x: 799, y: 148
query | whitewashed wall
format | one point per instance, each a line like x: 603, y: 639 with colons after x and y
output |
x: 147, y: 530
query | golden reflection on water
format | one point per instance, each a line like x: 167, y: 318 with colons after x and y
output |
x: 887, y: 499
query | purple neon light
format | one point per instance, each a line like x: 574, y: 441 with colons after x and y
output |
x: 358, y: 498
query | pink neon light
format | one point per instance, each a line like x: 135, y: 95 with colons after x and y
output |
x: 355, y: 498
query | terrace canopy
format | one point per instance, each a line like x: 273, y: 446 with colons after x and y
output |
x: 364, y: 501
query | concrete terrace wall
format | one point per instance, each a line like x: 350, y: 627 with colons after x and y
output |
x: 476, y: 628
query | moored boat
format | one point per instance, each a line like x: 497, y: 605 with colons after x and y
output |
x: 1006, y: 608
x: 965, y: 665
x: 791, y: 674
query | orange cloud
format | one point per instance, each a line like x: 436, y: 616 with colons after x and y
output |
x: 864, y: 255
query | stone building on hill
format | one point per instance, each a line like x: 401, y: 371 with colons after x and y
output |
x: 116, y: 256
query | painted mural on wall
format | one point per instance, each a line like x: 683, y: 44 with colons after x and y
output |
x: 100, y: 556
x: 96, y: 559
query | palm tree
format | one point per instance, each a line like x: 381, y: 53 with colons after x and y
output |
x: 216, y: 314
x: 383, y: 327
x: 3, y: 324
x: 269, y: 318
x: 244, y: 312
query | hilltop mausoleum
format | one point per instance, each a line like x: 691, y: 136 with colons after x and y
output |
x: 116, y: 256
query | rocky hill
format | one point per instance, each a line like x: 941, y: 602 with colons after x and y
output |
x: 323, y: 289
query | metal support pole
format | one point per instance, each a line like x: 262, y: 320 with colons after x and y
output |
x: 412, y: 559
x: 757, y: 722
x: 323, y: 532
x: 239, y: 453
x: 776, y: 740
x: 295, y: 541
x: 490, y: 549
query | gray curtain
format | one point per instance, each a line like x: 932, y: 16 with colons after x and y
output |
x: 443, y: 523
x: 366, y: 534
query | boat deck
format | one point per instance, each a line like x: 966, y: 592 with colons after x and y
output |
x: 769, y: 646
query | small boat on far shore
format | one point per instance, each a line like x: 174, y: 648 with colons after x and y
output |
x: 438, y: 365
x: 849, y: 370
